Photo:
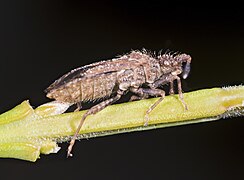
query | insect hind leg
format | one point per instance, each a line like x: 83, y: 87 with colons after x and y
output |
x: 95, y: 109
x: 79, y: 106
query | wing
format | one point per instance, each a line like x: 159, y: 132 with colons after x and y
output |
x: 93, y: 70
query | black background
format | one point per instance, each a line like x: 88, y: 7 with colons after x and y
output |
x: 41, y: 40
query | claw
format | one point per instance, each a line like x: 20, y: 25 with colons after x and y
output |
x: 71, y: 144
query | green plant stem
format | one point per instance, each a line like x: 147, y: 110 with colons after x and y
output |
x: 25, y: 132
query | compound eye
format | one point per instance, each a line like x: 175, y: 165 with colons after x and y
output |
x: 186, y: 69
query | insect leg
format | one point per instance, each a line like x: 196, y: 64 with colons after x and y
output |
x: 171, y: 80
x: 171, y: 90
x: 145, y: 92
x: 79, y: 106
x: 180, y: 92
x: 163, y: 80
x: 153, y: 92
x: 93, y: 110
x: 139, y: 94
x: 135, y: 98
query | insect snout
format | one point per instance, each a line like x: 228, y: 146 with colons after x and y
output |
x: 186, y: 65
x: 186, y: 70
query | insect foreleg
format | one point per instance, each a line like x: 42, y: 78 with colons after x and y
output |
x: 171, y: 79
x: 93, y: 110
x: 163, y: 80
x: 180, y: 92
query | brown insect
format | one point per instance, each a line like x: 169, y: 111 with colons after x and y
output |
x: 139, y: 72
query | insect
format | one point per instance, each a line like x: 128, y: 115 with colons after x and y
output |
x: 139, y: 72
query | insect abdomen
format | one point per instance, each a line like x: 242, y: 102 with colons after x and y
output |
x: 85, y: 89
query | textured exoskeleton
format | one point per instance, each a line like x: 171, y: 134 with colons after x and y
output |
x: 138, y: 71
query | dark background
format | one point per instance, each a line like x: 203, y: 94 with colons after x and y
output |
x: 41, y: 40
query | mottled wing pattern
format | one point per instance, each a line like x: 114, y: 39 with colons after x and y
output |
x: 75, y: 73
x: 90, y: 82
x: 92, y: 70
